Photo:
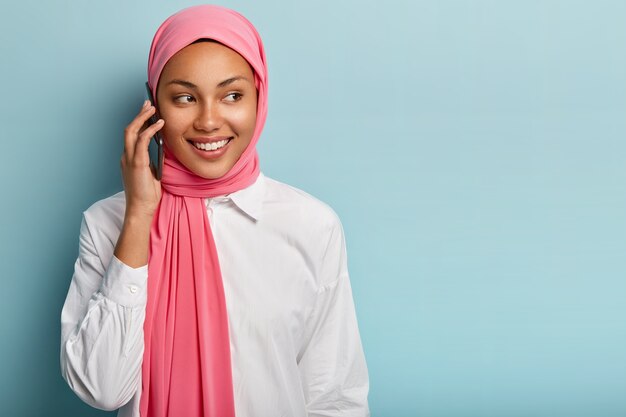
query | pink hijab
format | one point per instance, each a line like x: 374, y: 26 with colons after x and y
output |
x: 186, y: 368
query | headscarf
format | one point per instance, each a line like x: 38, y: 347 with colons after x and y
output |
x: 186, y: 368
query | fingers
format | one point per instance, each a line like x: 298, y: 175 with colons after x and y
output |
x: 140, y: 185
x: 131, y: 133
x: 141, y: 155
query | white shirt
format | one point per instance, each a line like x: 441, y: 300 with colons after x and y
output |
x: 294, y: 340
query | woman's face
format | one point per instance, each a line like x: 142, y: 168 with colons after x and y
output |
x: 207, y: 97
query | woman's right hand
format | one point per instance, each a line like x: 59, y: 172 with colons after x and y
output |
x: 143, y: 190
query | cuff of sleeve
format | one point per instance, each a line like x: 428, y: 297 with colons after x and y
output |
x: 125, y: 285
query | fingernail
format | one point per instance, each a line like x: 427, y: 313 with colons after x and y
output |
x: 145, y: 103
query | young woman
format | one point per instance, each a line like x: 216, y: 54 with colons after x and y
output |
x: 216, y: 291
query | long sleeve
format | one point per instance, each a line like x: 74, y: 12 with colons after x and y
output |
x: 102, y: 326
x: 295, y: 343
x: 332, y: 363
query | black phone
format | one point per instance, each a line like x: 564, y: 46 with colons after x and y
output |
x: 156, y: 143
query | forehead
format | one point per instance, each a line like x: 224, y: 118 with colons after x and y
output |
x: 208, y: 61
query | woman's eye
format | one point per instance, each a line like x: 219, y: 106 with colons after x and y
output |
x: 183, y: 99
x: 233, y: 96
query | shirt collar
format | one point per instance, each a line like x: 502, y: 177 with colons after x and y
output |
x: 250, y: 199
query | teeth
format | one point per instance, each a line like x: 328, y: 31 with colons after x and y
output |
x: 210, y: 146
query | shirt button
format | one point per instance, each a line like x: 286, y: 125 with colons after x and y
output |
x: 132, y: 289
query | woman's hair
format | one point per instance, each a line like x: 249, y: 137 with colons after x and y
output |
x: 206, y: 40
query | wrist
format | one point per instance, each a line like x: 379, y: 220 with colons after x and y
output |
x: 134, y: 240
x: 137, y: 221
x: 138, y: 216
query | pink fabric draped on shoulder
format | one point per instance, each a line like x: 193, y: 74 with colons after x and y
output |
x: 186, y: 367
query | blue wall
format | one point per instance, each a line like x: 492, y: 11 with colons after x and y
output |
x: 473, y: 149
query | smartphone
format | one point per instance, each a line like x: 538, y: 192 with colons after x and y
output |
x: 156, y: 143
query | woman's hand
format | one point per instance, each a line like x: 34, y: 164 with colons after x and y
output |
x: 143, y: 190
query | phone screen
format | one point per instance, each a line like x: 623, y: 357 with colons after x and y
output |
x: 156, y: 143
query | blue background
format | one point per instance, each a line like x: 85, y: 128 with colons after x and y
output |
x: 474, y: 150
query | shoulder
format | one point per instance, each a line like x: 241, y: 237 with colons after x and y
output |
x: 309, y: 225
x: 104, y: 219
x: 284, y: 197
x: 107, y: 210
x: 297, y: 208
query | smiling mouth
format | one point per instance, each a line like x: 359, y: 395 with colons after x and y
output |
x: 210, y: 146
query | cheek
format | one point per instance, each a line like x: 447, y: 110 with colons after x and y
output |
x: 172, y: 134
x: 170, y: 129
x: 244, y: 118
x: 174, y: 125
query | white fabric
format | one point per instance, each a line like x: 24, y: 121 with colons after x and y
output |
x: 294, y: 339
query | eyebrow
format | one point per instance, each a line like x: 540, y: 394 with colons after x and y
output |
x: 231, y: 80
x: 222, y: 84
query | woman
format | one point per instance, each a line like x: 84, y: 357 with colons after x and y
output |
x: 216, y: 291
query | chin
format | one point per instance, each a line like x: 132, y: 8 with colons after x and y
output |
x: 212, y: 173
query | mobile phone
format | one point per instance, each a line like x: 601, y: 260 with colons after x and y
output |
x: 156, y: 142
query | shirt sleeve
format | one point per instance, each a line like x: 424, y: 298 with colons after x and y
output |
x: 102, y: 327
x: 332, y: 363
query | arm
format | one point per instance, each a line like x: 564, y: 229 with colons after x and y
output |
x: 102, y: 328
x: 331, y: 363
x: 102, y: 319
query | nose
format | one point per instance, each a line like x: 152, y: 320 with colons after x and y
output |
x: 209, y: 117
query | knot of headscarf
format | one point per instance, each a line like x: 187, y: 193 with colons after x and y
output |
x: 186, y: 369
